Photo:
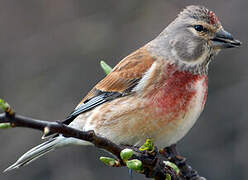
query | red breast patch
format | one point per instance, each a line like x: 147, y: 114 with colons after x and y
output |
x: 176, y: 92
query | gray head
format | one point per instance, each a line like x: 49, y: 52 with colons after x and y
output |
x: 192, y: 39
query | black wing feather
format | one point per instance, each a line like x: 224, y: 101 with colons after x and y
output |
x: 95, y: 101
x: 99, y: 99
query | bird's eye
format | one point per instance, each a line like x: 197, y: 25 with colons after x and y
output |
x: 199, y: 28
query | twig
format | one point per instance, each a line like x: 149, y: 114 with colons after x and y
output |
x: 186, y: 170
x: 57, y: 127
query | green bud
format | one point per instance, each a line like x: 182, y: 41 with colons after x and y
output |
x: 168, y: 177
x: 4, y: 105
x: 148, y: 146
x: 106, y: 68
x: 126, y: 154
x: 173, y: 166
x: 134, y: 164
x: 5, y: 125
x: 108, y: 161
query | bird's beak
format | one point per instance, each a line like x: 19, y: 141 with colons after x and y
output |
x: 224, y: 39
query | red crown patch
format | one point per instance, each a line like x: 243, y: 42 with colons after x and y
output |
x: 213, y: 19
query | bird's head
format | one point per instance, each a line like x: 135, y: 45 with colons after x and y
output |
x: 194, y: 37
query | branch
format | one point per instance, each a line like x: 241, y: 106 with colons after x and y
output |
x: 57, y: 127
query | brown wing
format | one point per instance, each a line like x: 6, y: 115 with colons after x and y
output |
x: 117, y: 83
x: 124, y: 74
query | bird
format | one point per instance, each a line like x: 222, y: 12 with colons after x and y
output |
x: 156, y: 92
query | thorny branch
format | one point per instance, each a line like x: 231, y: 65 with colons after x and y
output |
x: 152, y: 163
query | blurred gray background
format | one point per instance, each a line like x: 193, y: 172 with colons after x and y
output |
x: 49, y: 58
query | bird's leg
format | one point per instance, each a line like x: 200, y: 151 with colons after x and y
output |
x: 173, y: 155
